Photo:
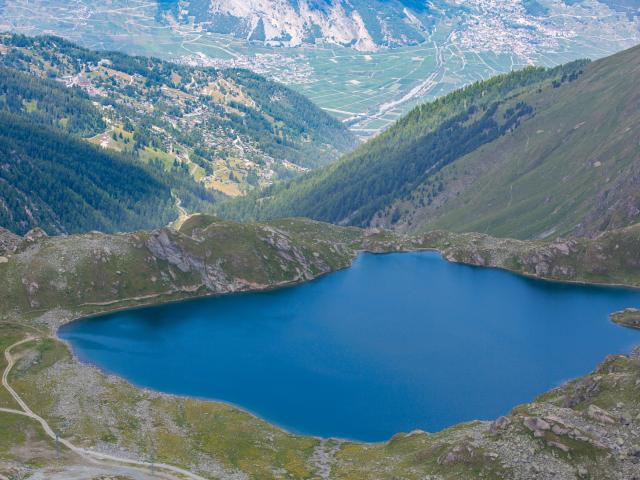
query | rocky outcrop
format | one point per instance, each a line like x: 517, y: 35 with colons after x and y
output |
x: 212, y: 276
x: 269, y: 256
x: 629, y: 317
x: 611, y: 258
x: 9, y: 242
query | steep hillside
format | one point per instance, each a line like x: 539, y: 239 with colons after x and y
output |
x: 418, y: 146
x: 65, y: 185
x: 530, y: 154
x: 572, y: 168
x: 50, y: 177
x: 229, y: 130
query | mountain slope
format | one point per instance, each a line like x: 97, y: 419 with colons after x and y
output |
x: 364, y: 25
x: 529, y: 154
x: 419, y: 145
x: 52, y: 178
x: 573, y: 168
x: 230, y: 130
x: 64, y: 185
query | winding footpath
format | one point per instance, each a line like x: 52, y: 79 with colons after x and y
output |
x: 90, y: 455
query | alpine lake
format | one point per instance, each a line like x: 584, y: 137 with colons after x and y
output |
x: 395, y: 343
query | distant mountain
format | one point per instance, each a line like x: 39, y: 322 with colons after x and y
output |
x: 341, y: 53
x: 370, y: 24
x: 534, y: 153
x: 229, y: 130
x: 362, y: 24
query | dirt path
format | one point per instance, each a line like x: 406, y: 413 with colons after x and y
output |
x: 183, y: 215
x: 162, y: 470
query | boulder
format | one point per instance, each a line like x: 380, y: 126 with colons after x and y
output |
x: 536, y: 424
x: 35, y: 234
x: 600, y: 415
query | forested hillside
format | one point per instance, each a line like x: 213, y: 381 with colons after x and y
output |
x: 574, y: 168
x: 419, y: 145
x: 50, y: 177
x: 230, y: 130
x: 107, y: 141
x: 48, y: 104
x: 64, y: 185
x: 530, y: 154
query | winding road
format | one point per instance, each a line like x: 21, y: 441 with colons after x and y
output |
x: 162, y: 470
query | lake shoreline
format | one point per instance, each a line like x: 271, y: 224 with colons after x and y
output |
x: 297, y: 430
x: 196, y: 296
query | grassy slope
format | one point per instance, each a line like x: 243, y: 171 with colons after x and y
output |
x: 210, y: 256
x: 570, y: 166
x: 367, y: 180
x: 86, y: 270
x: 573, y: 167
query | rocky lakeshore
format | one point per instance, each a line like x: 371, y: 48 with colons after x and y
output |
x: 587, y: 428
x: 629, y: 317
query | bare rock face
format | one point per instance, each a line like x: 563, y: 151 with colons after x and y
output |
x: 499, y: 424
x: 35, y: 234
x: 162, y: 247
x: 213, y: 277
x: 537, y: 424
x: 600, y: 415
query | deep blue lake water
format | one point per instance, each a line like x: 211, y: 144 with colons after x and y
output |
x: 395, y: 343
